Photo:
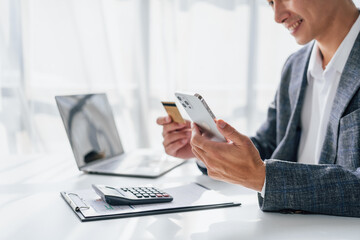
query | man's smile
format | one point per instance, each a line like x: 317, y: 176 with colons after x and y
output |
x: 294, y: 26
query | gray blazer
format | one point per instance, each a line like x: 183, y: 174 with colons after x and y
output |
x: 333, y: 186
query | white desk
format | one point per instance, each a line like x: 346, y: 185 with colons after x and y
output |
x: 37, y: 183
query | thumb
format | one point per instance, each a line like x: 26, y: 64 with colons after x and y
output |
x: 229, y: 132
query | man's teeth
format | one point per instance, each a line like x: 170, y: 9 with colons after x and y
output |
x: 295, y: 25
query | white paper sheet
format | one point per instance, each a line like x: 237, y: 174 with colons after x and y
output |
x: 185, y: 196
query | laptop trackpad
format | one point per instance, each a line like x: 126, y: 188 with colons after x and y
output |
x: 140, y: 160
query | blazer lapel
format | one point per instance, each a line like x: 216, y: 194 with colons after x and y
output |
x: 348, y: 86
x: 287, y: 148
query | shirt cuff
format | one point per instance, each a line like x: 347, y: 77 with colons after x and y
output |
x: 262, y: 193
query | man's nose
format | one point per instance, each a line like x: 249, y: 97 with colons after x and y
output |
x: 281, y: 13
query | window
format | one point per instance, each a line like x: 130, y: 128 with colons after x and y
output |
x: 139, y: 53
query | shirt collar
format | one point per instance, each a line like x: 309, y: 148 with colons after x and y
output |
x: 340, y: 57
x: 315, y: 63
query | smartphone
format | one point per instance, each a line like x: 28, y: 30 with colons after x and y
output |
x: 131, y: 195
x: 200, y: 113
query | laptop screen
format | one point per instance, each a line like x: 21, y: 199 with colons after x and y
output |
x: 90, y: 127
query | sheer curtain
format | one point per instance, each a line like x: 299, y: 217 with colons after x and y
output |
x: 139, y: 53
x: 70, y: 47
x: 231, y: 52
x: 17, y: 131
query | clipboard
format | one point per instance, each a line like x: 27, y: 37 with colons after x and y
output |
x: 88, y: 206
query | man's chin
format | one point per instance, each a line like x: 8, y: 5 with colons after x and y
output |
x: 302, y: 41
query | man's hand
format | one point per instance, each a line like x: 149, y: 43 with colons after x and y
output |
x: 176, y: 137
x: 236, y: 161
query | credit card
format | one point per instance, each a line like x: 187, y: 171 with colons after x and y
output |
x: 173, y: 112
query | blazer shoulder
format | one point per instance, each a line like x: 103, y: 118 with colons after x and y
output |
x: 295, y: 67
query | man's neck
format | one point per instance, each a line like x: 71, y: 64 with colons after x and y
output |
x: 336, y: 33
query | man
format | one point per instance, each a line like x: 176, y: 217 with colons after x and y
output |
x: 306, y: 156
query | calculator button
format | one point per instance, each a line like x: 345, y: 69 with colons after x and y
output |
x: 159, y: 195
x: 166, y: 195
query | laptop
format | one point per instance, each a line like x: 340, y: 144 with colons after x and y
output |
x: 94, y: 139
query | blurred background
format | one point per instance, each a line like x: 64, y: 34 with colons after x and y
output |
x: 139, y: 52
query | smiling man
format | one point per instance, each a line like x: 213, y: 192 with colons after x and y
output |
x: 306, y: 156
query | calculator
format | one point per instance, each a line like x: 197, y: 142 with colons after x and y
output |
x: 131, y: 195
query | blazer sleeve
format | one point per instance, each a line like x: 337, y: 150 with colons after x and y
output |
x: 325, y: 188
x: 265, y: 138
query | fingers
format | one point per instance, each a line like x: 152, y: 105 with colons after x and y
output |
x: 163, y: 120
x: 167, y: 120
x: 174, y: 147
x: 199, y: 140
x: 202, y: 147
x: 196, y: 137
x: 199, y: 154
x: 229, y: 132
x: 176, y: 136
x: 169, y: 126
x: 173, y: 127
x: 207, y: 151
x: 210, y: 164
x: 176, y: 140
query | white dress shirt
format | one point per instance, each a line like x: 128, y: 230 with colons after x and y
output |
x: 319, y: 97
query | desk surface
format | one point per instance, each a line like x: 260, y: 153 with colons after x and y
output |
x: 37, y: 181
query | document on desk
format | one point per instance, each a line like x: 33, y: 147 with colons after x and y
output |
x: 89, y: 206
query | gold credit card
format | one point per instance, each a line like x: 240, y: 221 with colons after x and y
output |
x: 173, y: 112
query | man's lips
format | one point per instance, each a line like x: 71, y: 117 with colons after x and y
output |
x: 294, y: 26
